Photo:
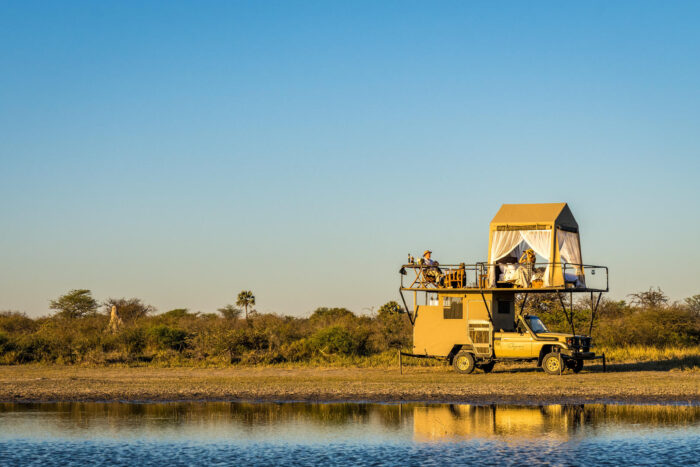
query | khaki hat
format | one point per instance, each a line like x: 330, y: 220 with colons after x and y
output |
x: 426, y: 252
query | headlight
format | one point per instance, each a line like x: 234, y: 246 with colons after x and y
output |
x: 569, y: 341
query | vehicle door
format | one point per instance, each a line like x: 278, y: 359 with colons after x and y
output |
x: 514, y: 344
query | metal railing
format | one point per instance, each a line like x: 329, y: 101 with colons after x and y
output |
x: 523, y: 276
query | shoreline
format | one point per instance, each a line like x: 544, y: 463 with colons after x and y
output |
x: 388, y: 401
x: 58, y: 384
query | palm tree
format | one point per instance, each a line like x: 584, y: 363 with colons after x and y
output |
x: 246, y: 299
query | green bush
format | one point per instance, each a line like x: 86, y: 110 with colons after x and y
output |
x: 14, y: 322
x: 133, y: 340
x: 653, y: 327
x: 34, y: 348
x: 298, y: 350
x: 167, y: 337
x: 5, y: 344
x: 338, y: 340
x: 334, y: 336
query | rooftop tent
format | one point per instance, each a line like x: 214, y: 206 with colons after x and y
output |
x: 549, y: 229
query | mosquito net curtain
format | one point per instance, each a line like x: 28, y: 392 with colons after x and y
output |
x: 504, y: 242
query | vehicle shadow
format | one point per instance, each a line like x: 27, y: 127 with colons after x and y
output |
x: 684, y: 363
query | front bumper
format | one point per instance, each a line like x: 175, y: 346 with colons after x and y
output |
x: 580, y: 355
x: 585, y: 356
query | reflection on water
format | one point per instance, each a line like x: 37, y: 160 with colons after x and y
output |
x: 532, y: 422
x: 258, y: 432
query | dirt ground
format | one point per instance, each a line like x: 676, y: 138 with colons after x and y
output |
x: 514, y: 385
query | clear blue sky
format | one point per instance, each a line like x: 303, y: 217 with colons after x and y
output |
x: 182, y: 151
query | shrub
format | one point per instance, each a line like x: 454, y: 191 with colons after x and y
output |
x: 177, y: 313
x: 653, y: 327
x: 167, y: 337
x: 33, y: 348
x: 338, y: 340
x: 14, y: 322
x: 298, y: 351
x: 5, y: 344
x: 133, y: 340
x: 323, y: 316
x: 238, y: 342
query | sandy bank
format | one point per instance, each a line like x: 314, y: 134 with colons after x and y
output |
x: 65, y: 383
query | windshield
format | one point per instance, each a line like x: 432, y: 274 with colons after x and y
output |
x: 536, y: 325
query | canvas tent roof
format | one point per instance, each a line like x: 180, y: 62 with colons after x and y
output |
x: 549, y: 229
x: 558, y: 214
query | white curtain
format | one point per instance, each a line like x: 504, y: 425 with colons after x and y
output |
x: 502, y: 243
x: 505, y: 241
x: 520, y: 249
x: 570, y: 251
x: 541, y: 242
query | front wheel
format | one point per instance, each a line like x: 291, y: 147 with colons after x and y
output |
x: 463, y: 362
x: 552, y: 363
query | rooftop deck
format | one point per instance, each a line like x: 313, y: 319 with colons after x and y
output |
x: 521, y: 278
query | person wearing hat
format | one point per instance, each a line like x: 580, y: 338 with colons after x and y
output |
x: 426, y: 261
x: 431, y: 270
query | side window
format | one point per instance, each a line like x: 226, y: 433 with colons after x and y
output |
x: 504, y: 307
x: 452, y: 308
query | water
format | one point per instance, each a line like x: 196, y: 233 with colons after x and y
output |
x: 340, y: 434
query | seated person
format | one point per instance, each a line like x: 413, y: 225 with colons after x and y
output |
x: 524, y: 272
x: 426, y: 260
x: 431, y: 267
x: 527, y: 259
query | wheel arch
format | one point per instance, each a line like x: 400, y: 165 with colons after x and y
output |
x: 547, y: 349
x: 456, y: 348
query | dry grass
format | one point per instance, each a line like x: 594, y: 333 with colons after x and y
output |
x: 516, y: 384
x: 639, y: 353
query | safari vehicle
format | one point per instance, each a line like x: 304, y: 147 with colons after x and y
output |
x: 469, y: 315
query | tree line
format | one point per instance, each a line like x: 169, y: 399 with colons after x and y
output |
x: 79, y: 331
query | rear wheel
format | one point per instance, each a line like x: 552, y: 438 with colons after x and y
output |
x: 486, y: 367
x: 463, y: 362
x: 552, y: 363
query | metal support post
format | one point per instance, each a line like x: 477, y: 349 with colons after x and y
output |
x: 604, y: 370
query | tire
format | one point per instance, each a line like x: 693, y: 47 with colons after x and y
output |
x: 463, y: 362
x: 486, y: 367
x: 552, y: 364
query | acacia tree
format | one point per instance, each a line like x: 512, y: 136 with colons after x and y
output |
x: 389, y: 309
x: 246, y: 299
x: 75, y: 304
x: 230, y: 312
x: 652, y: 298
x: 693, y: 304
